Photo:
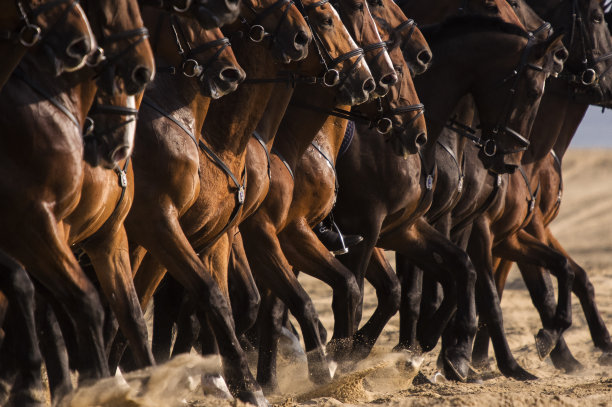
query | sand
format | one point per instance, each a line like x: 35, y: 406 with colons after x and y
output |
x: 584, y: 227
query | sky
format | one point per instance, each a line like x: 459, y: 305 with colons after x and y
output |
x: 595, y: 129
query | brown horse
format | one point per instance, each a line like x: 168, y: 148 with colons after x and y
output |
x: 62, y: 25
x: 207, y: 228
x: 43, y: 153
x: 396, y: 222
x: 437, y: 10
x: 171, y: 123
x: 315, y: 182
x: 210, y: 13
x: 587, y: 83
x: 450, y: 193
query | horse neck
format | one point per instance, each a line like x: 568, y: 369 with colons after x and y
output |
x: 428, y: 12
x: 300, y: 125
x: 233, y: 118
x: 574, y: 115
x: 275, y: 110
x: 335, y: 128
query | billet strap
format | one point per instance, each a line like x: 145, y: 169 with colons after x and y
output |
x: 532, y: 195
x: 331, y: 165
x: 279, y: 155
x: 497, y: 181
x: 148, y: 102
x: 265, y: 148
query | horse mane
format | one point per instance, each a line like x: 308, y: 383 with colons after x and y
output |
x: 470, y: 24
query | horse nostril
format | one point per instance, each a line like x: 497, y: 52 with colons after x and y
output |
x: 232, y: 75
x: 79, y: 48
x: 421, y: 139
x: 141, y: 75
x: 424, y: 57
x: 120, y: 154
x: 562, y: 54
x: 301, y: 39
x: 369, y: 85
x: 389, y: 80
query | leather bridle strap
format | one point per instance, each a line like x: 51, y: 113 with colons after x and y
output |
x: 29, y: 33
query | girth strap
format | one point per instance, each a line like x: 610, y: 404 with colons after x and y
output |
x: 265, y: 148
x: 279, y: 155
x: 459, y: 167
x: 147, y: 101
x: 19, y: 74
x: 483, y: 208
x: 532, y: 195
x: 240, y: 193
x: 331, y: 165
x: 560, y: 193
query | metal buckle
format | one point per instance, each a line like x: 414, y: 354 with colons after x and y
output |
x: 29, y: 35
x: 123, y: 182
x: 384, y: 125
x: 241, y: 195
x: 429, y: 182
x: 182, y: 10
x: 591, y: 79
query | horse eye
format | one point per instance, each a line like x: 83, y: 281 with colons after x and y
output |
x: 358, y: 6
x: 328, y: 21
x: 597, y: 18
x: 491, y: 7
x: 514, y: 4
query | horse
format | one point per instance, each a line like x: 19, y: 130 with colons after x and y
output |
x: 316, y: 186
x: 435, y: 11
x: 396, y: 221
x: 60, y: 27
x: 48, y: 156
x: 578, y: 85
x: 210, y: 13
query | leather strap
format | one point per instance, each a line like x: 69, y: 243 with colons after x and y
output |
x: 279, y: 155
x: 265, y: 148
x: 331, y: 165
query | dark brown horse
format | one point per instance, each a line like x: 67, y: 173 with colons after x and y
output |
x: 396, y: 222
x: 566, y: 98
x: 315, y: 181
x: 62, y: 25
x: 437, y: 10
x: 210, y: 13
x: 43, y: 153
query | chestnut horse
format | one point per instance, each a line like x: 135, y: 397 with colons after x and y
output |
x: 578, y: 85
x: 396, y: 222
x: 48, y: 156
x: 173, y: 116
x: 61, y: 26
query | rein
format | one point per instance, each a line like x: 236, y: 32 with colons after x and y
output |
x: 29, y: 34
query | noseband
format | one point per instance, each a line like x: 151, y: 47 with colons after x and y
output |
x: 489, y: 145
x: 588, y: 76
x: 30, y: 33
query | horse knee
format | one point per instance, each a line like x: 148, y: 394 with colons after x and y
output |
x: 392, y: 297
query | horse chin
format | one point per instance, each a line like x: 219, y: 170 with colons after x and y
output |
x: 350, y: 98
x: 210, y: 88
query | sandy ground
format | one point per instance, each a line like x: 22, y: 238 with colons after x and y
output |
x: 584, y: 226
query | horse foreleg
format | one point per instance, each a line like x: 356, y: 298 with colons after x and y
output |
x: 307, y: 254
x: 109, y: 254
x: 584, y: 290
x: 243, y: 291
x: 20, y: 352
x: 479, y: 249
x: 272, y: 271
x: 388, y: 292
x: 526, y: 249
x: 432, y: 251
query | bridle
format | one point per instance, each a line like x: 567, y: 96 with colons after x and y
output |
x: 168, y: 5
x: 93, y: 136
x: 256, y: 31
x: 29, y: 33
x: 102, y: 61
x: 331, y: 76
x: 588, y: 76
x: 489, y: 145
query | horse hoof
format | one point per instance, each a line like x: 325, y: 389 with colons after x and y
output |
x: 474, y: 376
x: 456, y: 367
x: 545, y: 343
x: 256, y: 398
x: 214, y: 385
x: 290, y: 347
x: 420, y: 379
x: 518, y: 373
x: 318, y: 369
x: 605, y: 359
